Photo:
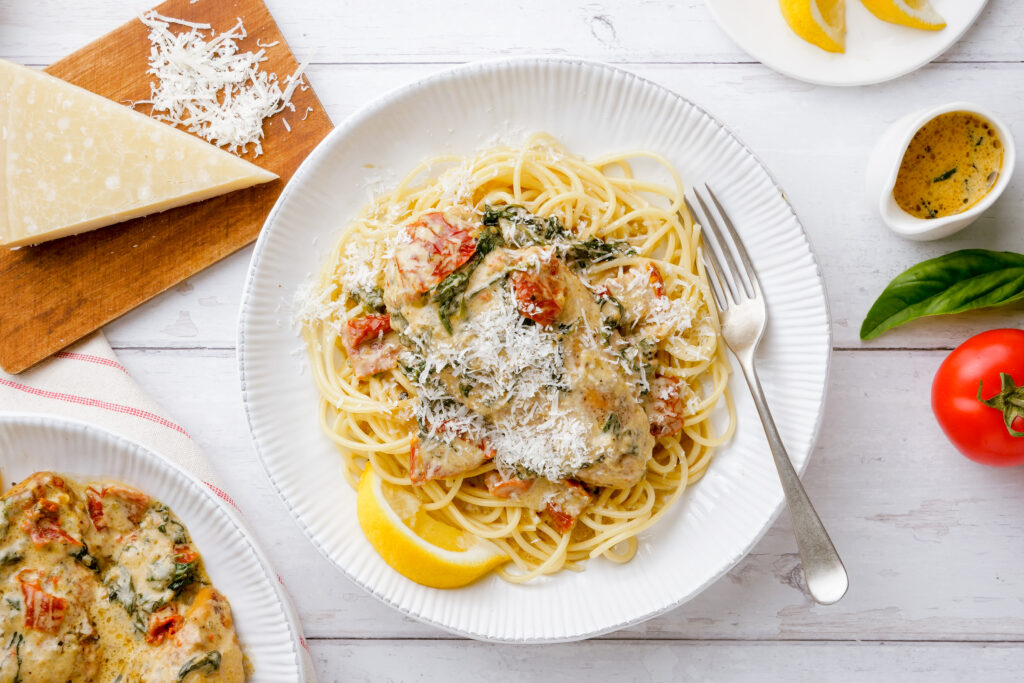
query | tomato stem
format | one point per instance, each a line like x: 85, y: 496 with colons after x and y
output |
x: 1009, y: 401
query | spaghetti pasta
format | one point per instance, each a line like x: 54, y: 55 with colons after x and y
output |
x: 627, y: 234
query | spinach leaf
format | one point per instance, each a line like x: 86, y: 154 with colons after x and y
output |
x: 184, y: 574
x: 612, y: 424
x: 86, y: 559
x: 530, y: 229
x: 954, y: 283
x: 595, y: 250
x: 448, y: 293
x: 372, y: 299
x: 9, y: 556
x: 207, y: 664
x: 16, y: 640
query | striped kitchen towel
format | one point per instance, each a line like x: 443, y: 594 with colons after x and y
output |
x: 87, y: 382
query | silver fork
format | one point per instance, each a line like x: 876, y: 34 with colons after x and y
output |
x: 744, y: 316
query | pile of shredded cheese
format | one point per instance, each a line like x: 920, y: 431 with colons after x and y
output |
x: 209, y: 87
x: 509, y: 363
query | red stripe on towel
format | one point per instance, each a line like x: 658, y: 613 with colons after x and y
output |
x: 89, y: 358
x: 222, y: 495
x: 95, y: 403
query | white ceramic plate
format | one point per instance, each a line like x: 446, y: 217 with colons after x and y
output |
x: 33, y: 443
x: 593, y: 109
x: 876, y: 51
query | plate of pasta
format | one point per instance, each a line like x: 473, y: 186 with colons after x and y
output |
x: 481, y: 362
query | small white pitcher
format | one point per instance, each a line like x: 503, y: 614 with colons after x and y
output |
x: 884, y: 166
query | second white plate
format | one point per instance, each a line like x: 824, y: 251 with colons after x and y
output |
x: 594, y: 109
x: 876, y: 51
x: 269, y: 637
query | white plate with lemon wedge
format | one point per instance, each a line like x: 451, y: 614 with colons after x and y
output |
x: 874, y: 50
x: 594, y: 109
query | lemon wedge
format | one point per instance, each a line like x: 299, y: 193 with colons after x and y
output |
x: 819, y: 22
x: 913, y: 13
x: 415, y: 544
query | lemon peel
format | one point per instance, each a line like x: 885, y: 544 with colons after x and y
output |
x: 819, y: 22
x: 913, y: 13
x: 415, y: 544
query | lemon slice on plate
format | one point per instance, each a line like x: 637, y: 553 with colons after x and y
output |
x: 819, y: 22
x: 913, y: 13
x: 415, y: 544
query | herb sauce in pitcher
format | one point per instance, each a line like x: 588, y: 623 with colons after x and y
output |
x: 949, y: 166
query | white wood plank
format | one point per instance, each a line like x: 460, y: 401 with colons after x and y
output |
x: 386, y: 661
x: 933, y: 542
x: 814, y: 140
x: 460, y: 30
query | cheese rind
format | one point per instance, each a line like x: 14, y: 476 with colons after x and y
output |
x: 72, y: 161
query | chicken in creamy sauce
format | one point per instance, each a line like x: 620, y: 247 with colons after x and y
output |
x: 519, y: 358
x: 102, y: 583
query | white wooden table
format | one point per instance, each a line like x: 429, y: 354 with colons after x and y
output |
x: 934, y: 544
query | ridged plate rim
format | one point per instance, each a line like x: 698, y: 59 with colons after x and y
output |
x: 265, y: 342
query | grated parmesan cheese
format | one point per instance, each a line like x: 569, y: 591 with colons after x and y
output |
x: 209, y: 87
x: 514, y: 364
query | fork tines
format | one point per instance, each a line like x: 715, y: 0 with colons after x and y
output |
x: 730, y: 283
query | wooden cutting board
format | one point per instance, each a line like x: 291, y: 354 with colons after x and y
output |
x: 53, y: 294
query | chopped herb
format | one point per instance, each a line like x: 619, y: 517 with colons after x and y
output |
x: 121, y: 589
x: 184, y: 574
x: 9, y: 556
x: 465, y: 389
x: 529, y: 229
x: 16, y: 639
x: 170, y: 527
x: 88, y: 561
x: 448, y: 294
x: 612, y: 424
x: 14, y: 604
x: 207, y: 664
x: 566, y: 328
x: 612, y: 312
x: 412, y: 366
x: 595, y: 250
x: 945, y: 176
x: 371, y: 298
x: 524, y: 472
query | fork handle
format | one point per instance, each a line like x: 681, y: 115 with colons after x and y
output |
x: 824, y: 572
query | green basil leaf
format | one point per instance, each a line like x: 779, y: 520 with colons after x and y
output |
x: 954, y: 283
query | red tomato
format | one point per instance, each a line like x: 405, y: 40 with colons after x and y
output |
x: 539, y: 295
x: 94, y: 503
x: 503, y: 488
x: 42, y: 522
x: 657, y: 283
x: 134, y: 502
x: 978, y: 399
x: 432, y: 249
x: 667, y: 406
x: 162, y: 623
x: 184, y: 554
x: 43, y: 612
x: 559, y: 518
x: 358, y: 330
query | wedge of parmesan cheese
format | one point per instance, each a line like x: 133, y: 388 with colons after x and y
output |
x: 72, y: 161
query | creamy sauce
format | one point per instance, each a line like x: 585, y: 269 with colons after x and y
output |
x: 949, y: 166
x: 99, y: 582
x: 553, y: 377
